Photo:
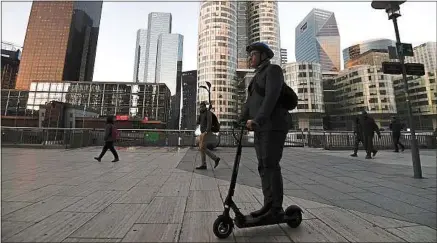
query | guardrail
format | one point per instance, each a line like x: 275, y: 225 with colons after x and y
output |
x: 83, y: 137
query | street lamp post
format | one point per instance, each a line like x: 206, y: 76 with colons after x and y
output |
x: 393, y: 10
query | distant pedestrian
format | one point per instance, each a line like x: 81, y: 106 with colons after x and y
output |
x: 396, y: 127
x: 205, y: 122
x: 358, y: 132
x: 369, y: 127
x: 111, y: 134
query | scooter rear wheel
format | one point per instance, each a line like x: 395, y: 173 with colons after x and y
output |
x: 223, y: 227
x: 294, y: 214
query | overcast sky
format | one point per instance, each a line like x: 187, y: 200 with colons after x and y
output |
x: 357, y: 22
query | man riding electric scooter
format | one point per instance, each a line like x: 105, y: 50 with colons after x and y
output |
x: 269, y: 121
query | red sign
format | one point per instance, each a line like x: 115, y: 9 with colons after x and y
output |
x: 122, y: 118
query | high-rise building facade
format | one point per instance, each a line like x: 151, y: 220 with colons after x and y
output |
x: 169, y: 71
x: 189, y: 90
x: 140, y: 56
x: 426, y: 54
x: 242, y: 35
x: 158, y: 23
x: 359, y: 49
x: 284, y: 56
x: 371, y: 57
x: 423, y: 99
x: 225, y: 30
x: 306, y: 80
x: 263, y: 26
x: 10, y: 64
x: 217, y: 56
x: 318, y: 40
x: 169, y: 61
x: 365, y: 88
x: 60, y: 42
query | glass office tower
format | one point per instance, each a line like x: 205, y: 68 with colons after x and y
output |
x: 60, y: 42
x: 140, y: 56
x: 158, y: 23
x: 318, y: 40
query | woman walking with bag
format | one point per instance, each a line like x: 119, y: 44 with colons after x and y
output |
x: 111, y: 134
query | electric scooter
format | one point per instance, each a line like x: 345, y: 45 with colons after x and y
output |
x: 224, y: 224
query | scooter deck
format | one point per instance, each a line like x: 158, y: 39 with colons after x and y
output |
x: 250, y: 221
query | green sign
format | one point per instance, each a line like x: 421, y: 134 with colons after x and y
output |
x: 151, y: 136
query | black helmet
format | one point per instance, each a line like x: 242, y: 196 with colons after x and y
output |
x: 261, y: 47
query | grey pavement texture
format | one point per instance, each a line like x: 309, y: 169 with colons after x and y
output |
x: 154, y: 195
x: 382, y: 186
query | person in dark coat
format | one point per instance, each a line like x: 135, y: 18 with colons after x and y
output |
x: 358, y: 132
x: 396, y: 127
x: 205, y: 122
x: 109, y: 140
x: 269, y: 121
x: 369, y: 127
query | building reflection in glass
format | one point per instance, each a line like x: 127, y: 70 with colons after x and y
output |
x: 108, y: 98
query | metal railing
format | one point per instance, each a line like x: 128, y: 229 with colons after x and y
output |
x: 78, y: 137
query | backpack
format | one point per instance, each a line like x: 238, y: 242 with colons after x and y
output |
x: 287, y: 98
x: 215, y: 126
x: 115, y: 133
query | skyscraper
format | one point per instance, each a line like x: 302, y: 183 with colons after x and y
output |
x: 284, y: 56
x: 318, y: 40
x: 217, y: 56
x: 158, y: 23
x: 223, y: 37
x: 169, y: 61
x: 356, y: 50
x: 140, y: 56
x: 242, y: 36
x: 10, y: 65
x: 60, y: 42
x: 263, y: 26
x: 169, y: 71
x: 189, y: 88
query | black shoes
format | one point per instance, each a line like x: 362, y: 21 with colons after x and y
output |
x: 354, y: 155
x: 216, y: 162
x: 202, y: 167
x: 262, y: 211
x: 115, y: 160
x: 273, y: 215
x: 98, y: 159
x: 374, y: 153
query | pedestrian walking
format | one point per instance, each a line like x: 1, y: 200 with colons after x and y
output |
x: 110, y: 137
x: 369, y: 127
x: 206, y: 136
x: 358, y: 134
x: 396, y: 127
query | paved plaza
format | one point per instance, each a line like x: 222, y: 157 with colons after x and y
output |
x: 155, y: 195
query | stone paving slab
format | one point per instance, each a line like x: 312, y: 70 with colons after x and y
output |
x: 155, y: 195
x: 383, y: 185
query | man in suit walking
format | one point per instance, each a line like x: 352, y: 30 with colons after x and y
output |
x: 269, y: 121
x: 369, y: 127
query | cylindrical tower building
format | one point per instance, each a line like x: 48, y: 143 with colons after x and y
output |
x: 217, y: 57
x: 263, y: 26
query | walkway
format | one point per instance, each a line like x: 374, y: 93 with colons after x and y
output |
x: 153, y: 195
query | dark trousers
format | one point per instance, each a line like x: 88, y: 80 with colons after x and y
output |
x: 110, y: 146
x: 269, y: 147
x: 396, y: 142
x: 368, y: 144
x: 358, y: 140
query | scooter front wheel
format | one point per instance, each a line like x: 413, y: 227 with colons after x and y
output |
x: 223, y: 226
x: 294, y: 215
